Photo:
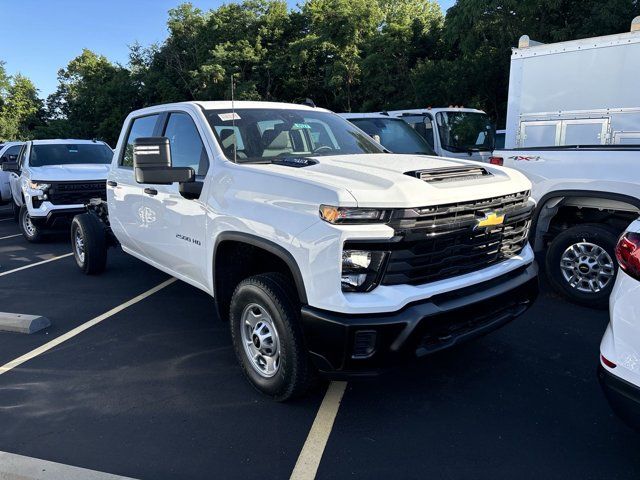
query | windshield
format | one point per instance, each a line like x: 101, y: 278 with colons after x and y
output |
x: 261, y: 134
x: 465, y: 131
x: 70, y: 154
x: 394, y: 134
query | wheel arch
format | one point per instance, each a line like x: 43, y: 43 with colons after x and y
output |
x: 541, y: 222
x: 270, y: 253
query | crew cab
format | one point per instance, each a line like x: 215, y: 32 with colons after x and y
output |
x: 323, y: 251
x: 52, y: 180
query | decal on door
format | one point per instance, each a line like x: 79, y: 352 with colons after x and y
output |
x: 188, y: 239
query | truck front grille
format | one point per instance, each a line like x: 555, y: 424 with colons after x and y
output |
x: 71, y: 193
x: 434, y: 243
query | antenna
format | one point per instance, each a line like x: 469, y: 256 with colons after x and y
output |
x: 233, y: 120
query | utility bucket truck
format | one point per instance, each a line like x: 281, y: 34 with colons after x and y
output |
x: 573, y: 127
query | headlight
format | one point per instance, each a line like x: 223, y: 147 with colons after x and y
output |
x: 39, y: 186
x: 346, y: 215
x: 361, y: 270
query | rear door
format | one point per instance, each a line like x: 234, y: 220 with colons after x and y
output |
x: 176, y: 237
x: 130, y: 219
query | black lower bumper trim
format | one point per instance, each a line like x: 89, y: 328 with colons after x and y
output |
x: 624, y: 397
x: 57, y: 218
x: 420, y: 328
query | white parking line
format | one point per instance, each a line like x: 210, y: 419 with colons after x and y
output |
x: 311, y: 454
x: 2, y: 274
x: 81, y: 328
x: 11, y: 236
x: 19, y: 467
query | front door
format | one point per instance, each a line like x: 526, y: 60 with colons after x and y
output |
x: 129, y: 216
x: 176, y: 238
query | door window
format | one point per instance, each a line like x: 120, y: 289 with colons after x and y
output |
x: 421, y: 124
x: 187, y: 149
x: 11, y: 155
x: 22, y: 156
x: 141, y: 127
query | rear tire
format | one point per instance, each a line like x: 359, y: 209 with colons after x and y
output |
x: 581, y: 264
x: 89, y: 243
x: 30, y: 231
x: 267, y: 336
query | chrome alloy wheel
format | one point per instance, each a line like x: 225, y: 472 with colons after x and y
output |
x: 587, y: 267
x: 260, y: 340
x: 79, y: 245
x: 28, y: 225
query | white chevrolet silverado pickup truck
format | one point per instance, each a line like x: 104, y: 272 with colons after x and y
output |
x: 324, y: 252
x: 52, y: 180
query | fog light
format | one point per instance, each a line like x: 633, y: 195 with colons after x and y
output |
x: 364, y: 344
x: 361, y: 269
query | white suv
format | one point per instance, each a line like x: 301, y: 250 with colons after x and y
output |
x: 320, y: 248
x: 53, y: 179
x: 619, y: 370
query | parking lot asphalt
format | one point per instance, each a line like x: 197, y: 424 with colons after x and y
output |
x: 154, y: 391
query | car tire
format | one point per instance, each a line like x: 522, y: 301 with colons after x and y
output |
x: 16, y: 211
x: 267, y: 337
x: 30, y: 231
x: 581, y: 264
x: 89, y: 243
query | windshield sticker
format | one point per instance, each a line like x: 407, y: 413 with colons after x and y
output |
x: 225, y: 117
x: 297, y: 126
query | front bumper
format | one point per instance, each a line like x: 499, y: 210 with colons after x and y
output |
x: 365, y: 344
x: 623, y: 396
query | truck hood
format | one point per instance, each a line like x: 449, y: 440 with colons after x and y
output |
x: 381, y: 180
x: 70, y: 173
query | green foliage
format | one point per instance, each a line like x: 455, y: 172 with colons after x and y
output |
x: 21, y: 110
x: 360, y: 55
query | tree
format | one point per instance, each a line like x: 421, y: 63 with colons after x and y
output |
x: 21, y: 111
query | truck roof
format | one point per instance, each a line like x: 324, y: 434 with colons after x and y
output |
x: 530, y: 48
x: 351, y: 115
x: 55, y: 141
x: 434, y: 110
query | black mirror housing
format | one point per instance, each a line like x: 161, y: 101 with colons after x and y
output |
x: 152, y: 163
x: 10, y: 167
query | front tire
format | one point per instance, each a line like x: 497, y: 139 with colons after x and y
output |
x: 581, y: 264
x: 15, y: 210
x: 265, y: 327
x: 89, y: 243
x: 30, y: 231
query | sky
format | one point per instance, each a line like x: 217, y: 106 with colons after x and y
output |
x: 42, y: 36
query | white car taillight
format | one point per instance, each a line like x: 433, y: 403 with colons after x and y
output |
x: 628, y: 254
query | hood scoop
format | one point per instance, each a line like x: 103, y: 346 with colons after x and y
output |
x: 450, y: 174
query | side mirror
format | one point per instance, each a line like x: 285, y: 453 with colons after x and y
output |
x: 152, y: 163
x: 10, y: 167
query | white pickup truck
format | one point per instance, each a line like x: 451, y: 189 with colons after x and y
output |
x: 8, y: 153
x: 323, y: 251
x: 52, y: 180
x: 573, y: 127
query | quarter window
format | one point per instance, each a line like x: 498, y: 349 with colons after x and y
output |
x: 187, y: 149
x: 141, y: 127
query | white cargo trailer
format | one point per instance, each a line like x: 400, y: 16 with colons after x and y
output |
x: 582, y: 92
x: 573, y: 127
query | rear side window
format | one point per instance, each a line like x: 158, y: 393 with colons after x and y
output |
x: 141, y: 127
x: 187, y: 149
